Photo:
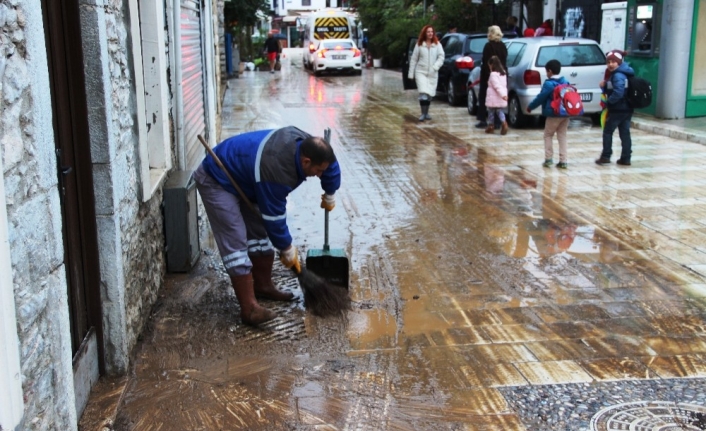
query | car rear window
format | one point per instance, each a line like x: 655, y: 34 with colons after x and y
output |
x: 342, y: 44
x: 477, y: 44
x: 453, y: 46
x: 571, y: 55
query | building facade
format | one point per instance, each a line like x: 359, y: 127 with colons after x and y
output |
x: 101, y: 101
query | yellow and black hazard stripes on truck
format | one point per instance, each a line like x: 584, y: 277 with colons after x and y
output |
x: 331, y: 28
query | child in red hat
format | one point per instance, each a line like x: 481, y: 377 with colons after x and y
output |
x: 619, y: 111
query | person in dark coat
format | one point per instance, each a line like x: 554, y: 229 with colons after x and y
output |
x: 619, y: 109
x: 512, y: 26
x: 494, y: 46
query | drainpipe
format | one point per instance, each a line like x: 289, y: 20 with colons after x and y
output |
x: 210, y: 73
x: 177, y: 89
x: 11, y: 402
x: 675, y: 47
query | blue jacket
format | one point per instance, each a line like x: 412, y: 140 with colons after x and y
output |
x: 544, y: 97
x: 615, y: 89
x: 265, y: 165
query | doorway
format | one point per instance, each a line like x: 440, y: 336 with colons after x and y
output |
x: 74, y: 170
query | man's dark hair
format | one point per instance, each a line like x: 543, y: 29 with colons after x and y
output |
x: 554, y: 66
x: 318, y: 150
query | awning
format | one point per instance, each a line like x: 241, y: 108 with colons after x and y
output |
x: 290, y: 19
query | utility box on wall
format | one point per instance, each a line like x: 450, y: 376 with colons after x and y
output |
x: 614, y: 25
x: 181, y: 225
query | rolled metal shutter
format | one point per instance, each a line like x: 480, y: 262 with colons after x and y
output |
x: 192, y: 81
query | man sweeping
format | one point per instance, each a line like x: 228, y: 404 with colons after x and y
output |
x: 266, y: 165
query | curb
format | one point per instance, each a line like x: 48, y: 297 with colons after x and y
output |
x: 672, y: 131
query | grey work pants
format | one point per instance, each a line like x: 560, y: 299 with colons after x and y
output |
x: 237, y: 230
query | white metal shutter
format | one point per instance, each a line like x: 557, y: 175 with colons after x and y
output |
x: 192, y: 81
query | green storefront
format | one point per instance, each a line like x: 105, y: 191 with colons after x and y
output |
x: 696, y: 95
x: 661, y: 44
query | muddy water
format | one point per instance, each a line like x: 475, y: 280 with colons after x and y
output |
x: 472, y: 268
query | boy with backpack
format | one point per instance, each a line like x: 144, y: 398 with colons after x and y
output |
x: 554, y: 123
x: 619, y: 108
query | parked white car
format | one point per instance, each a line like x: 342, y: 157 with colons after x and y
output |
x: 334, y: 55
x: 582, y: 64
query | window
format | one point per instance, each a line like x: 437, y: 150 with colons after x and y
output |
x: 152, y: 106
x: 571, y: 55
x: 514, y: 53
x: 306, y: 2
x: 477, y: 44
x: 341, y: 44
x: 453, y: 46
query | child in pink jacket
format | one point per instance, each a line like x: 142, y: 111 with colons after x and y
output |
x: 496, y: 98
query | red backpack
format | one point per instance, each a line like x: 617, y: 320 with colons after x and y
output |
x: 566, y: 101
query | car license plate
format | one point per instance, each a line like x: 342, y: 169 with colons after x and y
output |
x: 338, y: 57
x: 586, y: 97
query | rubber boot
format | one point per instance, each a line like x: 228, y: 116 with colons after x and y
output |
x: 251, y: 313
x: 426, y: 113
x: 490, y: 128
x: 503, y: 130
x: 425, y: 108
x: 262, y: 277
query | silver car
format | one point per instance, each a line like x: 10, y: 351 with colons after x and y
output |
x: 582, y: 64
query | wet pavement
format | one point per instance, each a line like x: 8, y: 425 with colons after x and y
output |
x: 489, y: 293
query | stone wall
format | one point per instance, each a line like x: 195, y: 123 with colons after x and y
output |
x: 140, y: 224
x: 145, y: 265
x: 34, y: 219
x: 130, y: 231
x: 131, y: 240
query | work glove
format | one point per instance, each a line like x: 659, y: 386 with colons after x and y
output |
x: 328, y: 202
x: 290, y: 258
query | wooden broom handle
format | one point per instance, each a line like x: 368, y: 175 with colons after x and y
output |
x: 230, y: 178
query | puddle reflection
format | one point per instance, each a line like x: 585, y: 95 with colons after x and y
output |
x: 322, y: 92
x: 544, y: 227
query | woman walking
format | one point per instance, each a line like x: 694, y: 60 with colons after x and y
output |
x: 494, y: 47
x: 427, y: 59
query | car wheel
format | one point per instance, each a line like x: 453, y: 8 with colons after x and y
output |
x: 515, y: 117
x: 472, y: 102
x: 451, y: 93
x: 596, y: 119
x: 316, y: 72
